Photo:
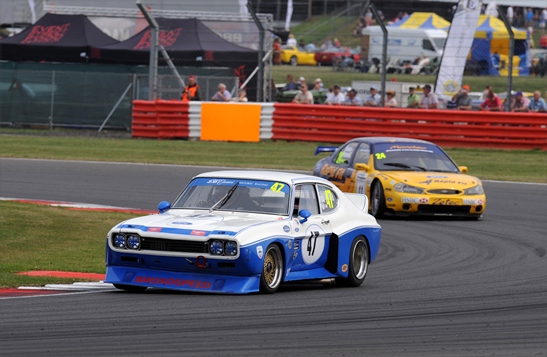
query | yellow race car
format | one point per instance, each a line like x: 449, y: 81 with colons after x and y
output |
x: 296, y: 55
x: 403, y: 177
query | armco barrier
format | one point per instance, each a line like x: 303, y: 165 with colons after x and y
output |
x: 450, y: 128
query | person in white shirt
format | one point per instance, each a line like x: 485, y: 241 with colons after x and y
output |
x: 303, y: 96
x: 391, y: 102
x: 510, y: 14
x: 291, y: 41
x: 222, y: 95
x: 336, y: 97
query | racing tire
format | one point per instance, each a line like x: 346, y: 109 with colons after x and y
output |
x: 358, y: 263
x: 377, y: 200
x: 272, y: 270
x: 293, y: 61
x: 130, y: 288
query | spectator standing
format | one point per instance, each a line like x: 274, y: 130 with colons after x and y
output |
x: 413, y: 98
x: 336, y: 97
x: 303, y: 96
x: 191, y: 91
x: 277, y: 51
x: 492, y: 103
x: 520, y: 103
x: 391, y: 102
x: 529, y: 18
x: 510, y: 14
x: 462, y: 99
x: 373, y: 99
x: 368, y: 18
x: 352, y: 99
x: 310, y: 47
x: 222, y: 95
x: 291, y: 41
x: 537, y: 104
x: 290, y: 83
x: 543, y: 19
x: 301, y: 43
x: 429, y: 100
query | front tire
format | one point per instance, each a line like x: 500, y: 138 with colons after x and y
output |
x: 130, y: 288
x: 378, y: 200
x: 272, y: 270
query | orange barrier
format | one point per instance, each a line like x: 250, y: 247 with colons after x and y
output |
x: 172, y: 118
x: 230, y: 121
x: 449, y: 128
x: 144, y: 124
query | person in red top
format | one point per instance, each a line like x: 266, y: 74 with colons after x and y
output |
x: 191, y: 92
x: 492, y: 103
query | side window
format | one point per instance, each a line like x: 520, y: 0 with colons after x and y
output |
x: 305, y: 198
x: 363, y: 154
x: 427, y: 45
x: 344, y: 155
x: 327, y: 199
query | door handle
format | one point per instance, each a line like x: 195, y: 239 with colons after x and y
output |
x: 325, y: 221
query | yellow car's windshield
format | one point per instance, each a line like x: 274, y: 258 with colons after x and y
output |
x: 401, y: 156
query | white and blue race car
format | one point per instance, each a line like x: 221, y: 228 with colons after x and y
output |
x: 246, y: 231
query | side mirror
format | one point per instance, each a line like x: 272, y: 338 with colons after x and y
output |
x: 362, y: 167
x: 305, y: 214
x: 463, y: 169
x: 164, y: 206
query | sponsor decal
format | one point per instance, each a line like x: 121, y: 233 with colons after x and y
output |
x: 289, y: 243
x: 201, y: 262
x: 444, y: 202
x: 392, y: 182
x: 198, y: 233
x: 344, y: 268
x: 427, y: 182
x: 389, y: 199
x: 183, y: 223
x: 286, y: 229
x: 154, y: 229
x: 313, y: 244
x: 415, y: 200
x: 296, y: 244
x: 333, y: 172
x: 436, y: 176
x: 294, y: 255
x: 297, y: 229
x: 470, y: 5
x: 473, y: 201
x: 450, y: 87
x: 46, y: 34
x: 189, y: 283
x: 259, y: 251
x: 221, y: 182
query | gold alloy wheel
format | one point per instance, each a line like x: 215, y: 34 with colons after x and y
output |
x: 273, y: 268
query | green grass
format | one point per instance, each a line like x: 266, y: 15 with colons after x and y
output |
x: 36, y: 237
x: 526, y: 165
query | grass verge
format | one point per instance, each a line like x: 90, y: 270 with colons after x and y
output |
x: 525, y: 165
x: 38, y: 237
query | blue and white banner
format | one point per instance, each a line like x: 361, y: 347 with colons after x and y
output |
x: 456, y: 49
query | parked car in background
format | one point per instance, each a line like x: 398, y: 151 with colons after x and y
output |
x: 328, y: 56
x: 296, y: 55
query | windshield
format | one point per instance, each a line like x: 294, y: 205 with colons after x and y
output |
x: 439, y: 42
x: 229, y: 194
x: 411, y: 157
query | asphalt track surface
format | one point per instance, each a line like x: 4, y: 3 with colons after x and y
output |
x: 438, y: 288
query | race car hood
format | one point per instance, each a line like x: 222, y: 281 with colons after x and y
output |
x: 188, y: 221
x: 430, y: 180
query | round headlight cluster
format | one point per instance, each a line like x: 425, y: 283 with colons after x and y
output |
x: 219, y: 247
x: 119, y: 241
x: 131, y: 241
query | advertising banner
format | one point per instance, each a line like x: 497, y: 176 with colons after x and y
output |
x: 458, y: 44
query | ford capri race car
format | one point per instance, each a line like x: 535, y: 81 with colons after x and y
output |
x: 403, y: 177
x: 244, y: 232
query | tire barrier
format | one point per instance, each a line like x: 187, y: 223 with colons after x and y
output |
x: 252, y: 122
x: 449, y: 128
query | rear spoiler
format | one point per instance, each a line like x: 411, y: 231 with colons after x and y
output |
x: 325, y: 149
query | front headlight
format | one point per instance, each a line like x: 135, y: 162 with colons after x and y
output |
x: 403, y: 187
x: 477, y: 190
x: 133, y: 242
x: 119, y: 241
x: 230, y: 248
x: 216, y: 247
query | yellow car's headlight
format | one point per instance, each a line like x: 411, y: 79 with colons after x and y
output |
x: 477, y: 190
x: 402, y: 187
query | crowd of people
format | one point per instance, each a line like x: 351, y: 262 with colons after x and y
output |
x: 192, y: 93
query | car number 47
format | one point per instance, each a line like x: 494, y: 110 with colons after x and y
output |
x: 312, y: 242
